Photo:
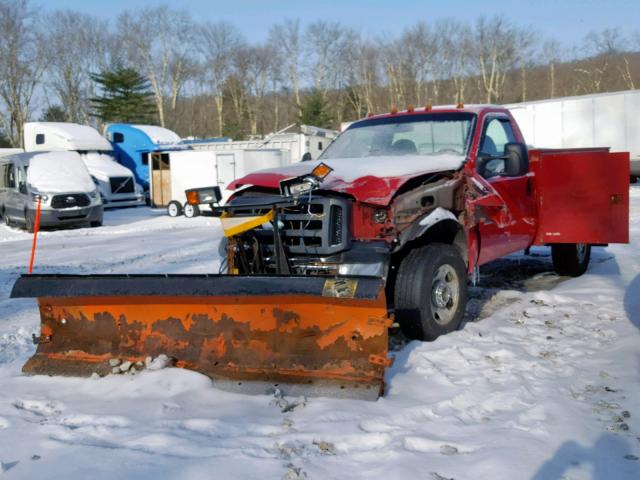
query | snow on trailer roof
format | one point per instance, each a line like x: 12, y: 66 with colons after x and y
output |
x: 77, y: 137
x: 159, y: 135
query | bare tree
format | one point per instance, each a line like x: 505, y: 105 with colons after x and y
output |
x: 218, y: 43
x: 160, y: 41
x: 525, y: 48
x: 494, y: 41
x: 418, y: 52
x: 287, y: 40
x: 393, y: 67
x: 326, y: 45
x: 74, y: 46
x: 551, y: 54
x: 258, y: 69
x: 21, y: 65
x: 456, y: 55
x: 363, y: 63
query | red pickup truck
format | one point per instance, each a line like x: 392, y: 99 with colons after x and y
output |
x: 423, y: 197
x: 393, y: 218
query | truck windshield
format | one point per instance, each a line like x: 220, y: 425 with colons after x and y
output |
x: 428, y: 134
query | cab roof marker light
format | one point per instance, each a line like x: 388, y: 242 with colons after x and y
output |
x: 393, y: 110
x: 410, y: 108
x: 427, y: 107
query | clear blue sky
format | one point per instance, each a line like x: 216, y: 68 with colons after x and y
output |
x: 566, y: 20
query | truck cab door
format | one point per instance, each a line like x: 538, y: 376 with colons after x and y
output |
x: 517, y: 230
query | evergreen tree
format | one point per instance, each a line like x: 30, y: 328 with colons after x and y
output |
x: 4, y: 141
x: 126, y: 97
x: 54, y: 113
x: 315, y: 110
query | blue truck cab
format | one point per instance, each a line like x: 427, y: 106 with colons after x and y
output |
x: 133, y: 144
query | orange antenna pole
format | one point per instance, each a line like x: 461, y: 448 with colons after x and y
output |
x: 36, y: 227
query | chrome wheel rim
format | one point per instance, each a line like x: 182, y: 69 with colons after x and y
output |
x: 581, y: 251
x: 188, y: 210
x: 445, y: 294
x: 173, y: 210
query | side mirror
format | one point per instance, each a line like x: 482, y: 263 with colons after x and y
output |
x: 22, y: 188
x: 306, y: 157
x: 516, y: 159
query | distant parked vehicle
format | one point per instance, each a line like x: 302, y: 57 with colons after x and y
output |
x: 62, y: 182
x: 132, y: 145
x: 584, y: 121
x: 174, y: 171
x: 116, y: 183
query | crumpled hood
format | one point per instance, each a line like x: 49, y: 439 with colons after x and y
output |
x: 370, y: 180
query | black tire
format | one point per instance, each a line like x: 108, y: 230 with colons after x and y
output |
x: 174, y: 209
x: 570, y: 259
x: 97, y: 223
x: 423, y: 308
x: 191, y: 211
x: 29, y: 221
x: 633, y: 179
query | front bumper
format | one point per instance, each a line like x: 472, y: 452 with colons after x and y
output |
x: 69, y: 216
x: 124, y: 202
x: 369, y: 259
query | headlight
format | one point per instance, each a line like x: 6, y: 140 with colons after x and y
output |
x: 380, y: 215
x: 94, y: 194
x: 36, y: 195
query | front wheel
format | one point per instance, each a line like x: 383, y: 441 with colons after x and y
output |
x: 191, y: 211
x: 431, y: 292
x: 30, y: 221
x: 570, y: 259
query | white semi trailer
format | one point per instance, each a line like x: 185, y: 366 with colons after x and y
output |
x: 115, y: 183
x: 611, y: 119
x: 174, y: 171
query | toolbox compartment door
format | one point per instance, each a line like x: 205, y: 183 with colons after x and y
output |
x: 582, y: 196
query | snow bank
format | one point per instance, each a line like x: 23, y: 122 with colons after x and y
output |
x: 545, y: 387
x: 53, y: 172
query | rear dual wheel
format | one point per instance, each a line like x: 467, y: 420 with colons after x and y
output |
x: 570, y: 259
x: 431, y: 291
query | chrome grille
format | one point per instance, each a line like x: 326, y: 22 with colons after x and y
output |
x: 70, y: 200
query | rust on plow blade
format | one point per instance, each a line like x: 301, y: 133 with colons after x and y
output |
x: 247, y: 333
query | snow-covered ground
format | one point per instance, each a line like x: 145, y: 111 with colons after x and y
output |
x: 543, y: 382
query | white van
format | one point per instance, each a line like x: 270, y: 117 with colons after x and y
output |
x: 60, y: 179
x: 115, y: 183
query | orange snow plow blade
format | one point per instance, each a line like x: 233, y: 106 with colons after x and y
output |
x: 303, y: 335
